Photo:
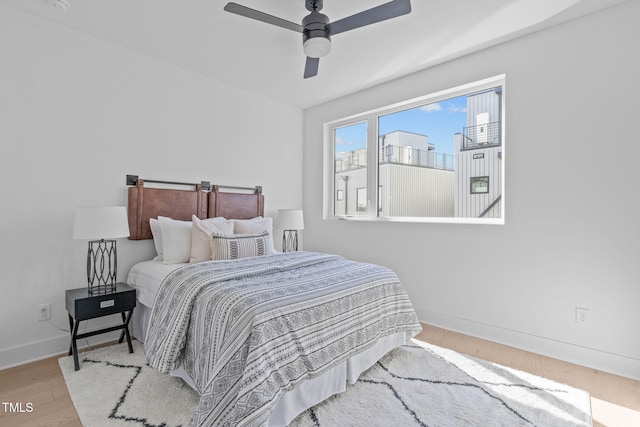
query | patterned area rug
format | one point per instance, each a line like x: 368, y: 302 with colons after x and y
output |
x: 416, y: 385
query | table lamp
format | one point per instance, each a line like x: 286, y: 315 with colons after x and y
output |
x: 290, y: 221
x: 101, y: 225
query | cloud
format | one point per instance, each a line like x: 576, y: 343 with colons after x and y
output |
x: 431, y: 107
x: 455, y: 109
x: 342, y: 141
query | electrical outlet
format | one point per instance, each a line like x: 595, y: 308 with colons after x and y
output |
x: 583, y: 316
x: 44, y: 312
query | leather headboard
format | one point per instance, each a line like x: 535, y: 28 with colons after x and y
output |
x: 235, y: 205
x: 145, y: 203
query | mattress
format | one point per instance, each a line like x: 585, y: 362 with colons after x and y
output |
x: 147, y: 276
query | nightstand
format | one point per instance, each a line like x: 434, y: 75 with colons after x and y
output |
x: 83, y: 306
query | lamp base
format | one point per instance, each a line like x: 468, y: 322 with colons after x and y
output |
x: 102, y: 267
x: 102, y: 289
x: 290, y: 241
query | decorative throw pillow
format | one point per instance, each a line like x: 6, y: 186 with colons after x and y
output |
x: 156, y: 231
x: 176, y: 240
x: 201, y: 231
x: 236, y: 246
x: 257, y: 225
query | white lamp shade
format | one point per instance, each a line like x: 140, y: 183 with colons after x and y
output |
x: 291, y: 219
x: 106, y: 222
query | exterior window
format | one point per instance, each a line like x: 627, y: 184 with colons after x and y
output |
x: 440, y: 158
x: 479, y: 184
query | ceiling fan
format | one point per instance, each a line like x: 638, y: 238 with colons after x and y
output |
x: 316, y: 28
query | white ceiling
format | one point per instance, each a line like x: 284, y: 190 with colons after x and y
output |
x: 200, y: 36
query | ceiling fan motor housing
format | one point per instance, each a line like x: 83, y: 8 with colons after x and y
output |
x: 315, y: 37
x: 312, y: 5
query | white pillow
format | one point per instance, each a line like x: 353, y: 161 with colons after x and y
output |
x: 201, y: 231
x: 156, y: 231
x: 256, y: 225
x: 236, y: 246
x: 176, y: 240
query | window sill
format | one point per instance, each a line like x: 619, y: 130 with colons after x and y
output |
x: 430, y: 220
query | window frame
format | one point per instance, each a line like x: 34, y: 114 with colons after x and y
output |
x: 371, y: 117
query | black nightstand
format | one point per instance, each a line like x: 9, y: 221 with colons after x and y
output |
x: 83, y: 306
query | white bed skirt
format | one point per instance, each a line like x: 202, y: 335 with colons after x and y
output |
x: 140, y: 321
x: 310, y: 392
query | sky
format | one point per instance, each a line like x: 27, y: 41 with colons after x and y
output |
x: 439, y: 121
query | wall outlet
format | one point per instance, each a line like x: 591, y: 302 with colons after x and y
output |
x: 44, y: 312
x: 583, y: 316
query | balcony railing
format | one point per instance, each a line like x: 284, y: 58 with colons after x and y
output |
x: 481, y: 136
x: 356, y: 159
x: 398, y: 155
x: 415, y: 157
x: 342, y: 166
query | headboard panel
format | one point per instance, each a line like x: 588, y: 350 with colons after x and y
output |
x: 235, y: 205
x: 145, y: 203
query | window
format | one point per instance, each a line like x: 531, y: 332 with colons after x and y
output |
x: 479, y: 184
x: 437, y: 158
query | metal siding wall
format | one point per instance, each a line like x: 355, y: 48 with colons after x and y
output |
x: 355, y: 179
x: 473, y: 205
x: 434, y: 198
x: 486, y: 102
x: 495, y: 211
x: 339, y: 205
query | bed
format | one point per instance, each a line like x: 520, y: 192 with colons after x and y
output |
x: 260, y: 335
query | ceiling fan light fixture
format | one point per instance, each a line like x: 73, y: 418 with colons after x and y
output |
x: 317, y: 47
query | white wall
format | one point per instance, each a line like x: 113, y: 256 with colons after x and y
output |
x: 572, y: 229
x: 76, y: 116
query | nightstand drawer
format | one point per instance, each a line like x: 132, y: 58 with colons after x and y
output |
x: 82, y: 306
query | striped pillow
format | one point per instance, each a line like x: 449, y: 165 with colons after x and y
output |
x: 233, y: 246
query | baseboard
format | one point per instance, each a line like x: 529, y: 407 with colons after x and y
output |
x: 592, y: 358
x: 56, y: 346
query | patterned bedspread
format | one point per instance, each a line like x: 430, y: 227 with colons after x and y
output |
x: 248, y: 330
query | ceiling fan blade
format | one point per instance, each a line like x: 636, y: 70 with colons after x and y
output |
x: 393, y: 9
x: 311, y: 67
x: 261, y: 16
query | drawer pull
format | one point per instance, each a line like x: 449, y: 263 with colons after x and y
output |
x: 107, y: 303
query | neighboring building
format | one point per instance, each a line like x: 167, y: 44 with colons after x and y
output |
x: 413, y: 179
x: 478, y: 152
x: 406, y: 148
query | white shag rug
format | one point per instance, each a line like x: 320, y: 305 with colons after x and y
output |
x: 416, y: 385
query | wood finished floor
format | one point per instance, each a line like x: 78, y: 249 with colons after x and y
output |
x: 615, y: 400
